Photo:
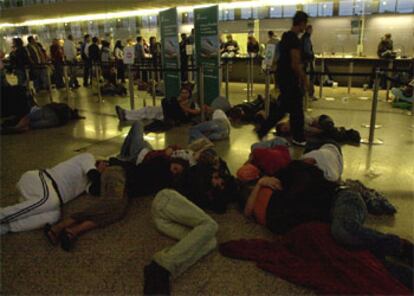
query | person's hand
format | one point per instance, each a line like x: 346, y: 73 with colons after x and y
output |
x: 271, y: 182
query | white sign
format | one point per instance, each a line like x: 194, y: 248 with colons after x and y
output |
x: 129, y: 55
x: 269, y: 54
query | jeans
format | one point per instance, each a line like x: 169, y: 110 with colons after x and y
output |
x: 148, y: 112
x: 177, y: 217
x: 133, y: 143
x: 87, y: 72
x: 40, y: 79
x: 21, y: 77
x: 278, y: 141
x: 290, y: 101
x: 309, y: 67
x: 58, y: 74
x: 348, y: 216
x: 43, y: 118
x: 73, y: 81
x: 214, y: 130
x: 120, y: 69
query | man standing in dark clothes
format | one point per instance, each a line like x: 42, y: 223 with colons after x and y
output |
x: 292, y: 82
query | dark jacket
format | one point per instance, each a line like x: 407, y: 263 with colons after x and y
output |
x: 94, y: 53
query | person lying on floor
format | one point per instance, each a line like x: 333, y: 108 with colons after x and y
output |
x: 120, y: 181
x: 268, y: 157
x: 176, y: 110
x: 136, y: 150
x: 301, y: 194
x: 47, y: 116
x: 321, y: 127
x: 180, y: 214
x: 43, y: 192
x: 249, y: 112
x: 218, y: 128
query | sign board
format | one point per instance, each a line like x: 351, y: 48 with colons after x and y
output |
x: 170, y: 51
x: 129, y: 55
x: 269, y: 55
x: 207, y: 47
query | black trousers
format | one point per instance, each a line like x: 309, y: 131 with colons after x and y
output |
x: 87, y: 72
x: 290, y: 101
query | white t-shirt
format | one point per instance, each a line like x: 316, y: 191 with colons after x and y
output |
x: 70, y: 175
x: 329, y: 159
x: 185, y: 154
x: 219, y: 114
x: 69, y: 49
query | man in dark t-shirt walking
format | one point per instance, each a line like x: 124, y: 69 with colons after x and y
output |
x: 292, y: 82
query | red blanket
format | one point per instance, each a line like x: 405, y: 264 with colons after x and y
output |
x: 309, y: 256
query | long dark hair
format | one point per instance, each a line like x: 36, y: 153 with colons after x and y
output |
x: 118, y: 44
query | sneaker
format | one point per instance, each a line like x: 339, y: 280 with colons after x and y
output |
x: 120, y: 113
x: 156, y: 280
x: 299, y: 143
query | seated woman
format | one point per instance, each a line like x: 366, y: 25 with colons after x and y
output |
x: 178, y: 110
x: 47, y: 116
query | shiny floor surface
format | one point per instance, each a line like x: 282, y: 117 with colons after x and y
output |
x: 111, y: 260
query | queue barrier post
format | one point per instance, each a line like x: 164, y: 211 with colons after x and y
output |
x: 226, y: 69
x: 65, y: 75
x: 201, y: 91
x: 131, y: 88
x: 251, y: 76
x: 267, y: 92
x: 371, y: 140
x: 98, y: 84
x: 49, y: 83
x: 321, y: 78
x: 248, y: 81
x: 153, y: 93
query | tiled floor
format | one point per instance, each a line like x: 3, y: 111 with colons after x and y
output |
x: 110, y: 260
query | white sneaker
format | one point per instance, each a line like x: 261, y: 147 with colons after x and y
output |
x: 297, y: 143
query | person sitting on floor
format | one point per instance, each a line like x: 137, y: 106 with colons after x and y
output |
x: 404, y: 93
x: 43, y: 193
x: 173, y: 110
x: 321, y: 127
x: 47, y: 116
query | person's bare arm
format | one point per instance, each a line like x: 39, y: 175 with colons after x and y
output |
x: 271, y: 182
x: 297, y: 67
x: 189, y: 110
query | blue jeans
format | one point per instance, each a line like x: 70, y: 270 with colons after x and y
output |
x: 214, y: 130
x: 43, y: 118
x: 40, y: 79
x: 133, y: 143
x: 278, y: 141
x: 348, y: 216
